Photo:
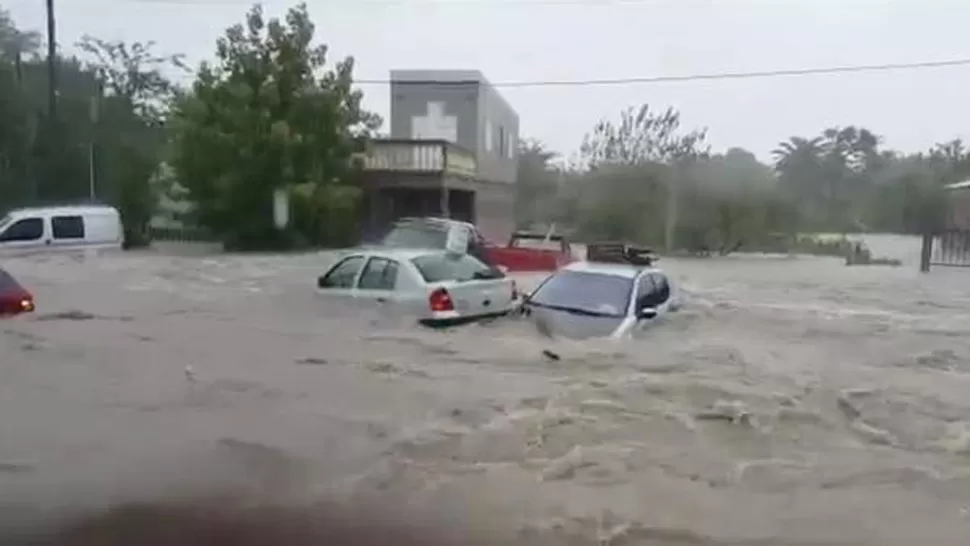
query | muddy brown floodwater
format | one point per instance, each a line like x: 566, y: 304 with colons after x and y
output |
x: 793, y: 401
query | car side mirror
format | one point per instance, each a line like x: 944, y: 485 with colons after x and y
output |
x: 321, y: 282
x: 647, y: 313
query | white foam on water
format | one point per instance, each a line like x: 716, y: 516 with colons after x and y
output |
x: 792, y: 400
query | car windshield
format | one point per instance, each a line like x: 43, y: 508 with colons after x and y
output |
x: 608, y: 295
x: 416, y: 236
x: 442, y: 267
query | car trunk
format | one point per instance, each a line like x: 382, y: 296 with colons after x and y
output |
x: 478, y: 297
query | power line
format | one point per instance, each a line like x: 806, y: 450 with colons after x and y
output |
x: 416, y: 3
x: 711, y: 76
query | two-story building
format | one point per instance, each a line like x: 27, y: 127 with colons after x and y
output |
x: 452, y: 152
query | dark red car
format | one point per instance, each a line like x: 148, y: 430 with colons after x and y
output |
x: 14, y: 298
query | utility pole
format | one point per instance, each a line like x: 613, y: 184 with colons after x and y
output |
x: 95, y: 120
x: 52, y: 136
x: 51, y: 62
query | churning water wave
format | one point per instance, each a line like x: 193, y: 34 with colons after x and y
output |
x: 792, y: 401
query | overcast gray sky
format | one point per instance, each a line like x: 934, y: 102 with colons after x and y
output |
x: 513, y: 40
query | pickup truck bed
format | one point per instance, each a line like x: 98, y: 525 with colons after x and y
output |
x: 525, y: 251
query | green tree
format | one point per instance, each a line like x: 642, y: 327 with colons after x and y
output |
x: 15, y: 42
x: 831, y: 176
x: 641, y: 136
x: 44, y: 160
x: 732, y: 202
x: 800, y: 168
x: 265, y: 116
x: 131, y: 96
x: 635, y: 167
x: 40, y: 159
x: 537, y: 184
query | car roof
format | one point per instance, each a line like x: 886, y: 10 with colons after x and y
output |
x: 398, y: 254
x: 430, y: 221
x: 616, y: 270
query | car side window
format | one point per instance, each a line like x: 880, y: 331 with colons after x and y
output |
x: 379, y: 274
x: 343, y: 274
x: 67, y: 227
x: 646, y: 291
x: 662, y: 287
x: 27, y: 229
x: 472, y: 240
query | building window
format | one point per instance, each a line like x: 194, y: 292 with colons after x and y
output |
x: 501, y: 140
x: 488, y: 135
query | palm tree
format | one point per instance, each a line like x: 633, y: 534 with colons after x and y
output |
x: 798, y: 152
x: 799, y: 163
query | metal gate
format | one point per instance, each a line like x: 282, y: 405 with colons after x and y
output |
x: 950, y: 248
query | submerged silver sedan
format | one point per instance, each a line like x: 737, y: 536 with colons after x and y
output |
x: 437, y: 287
x: 592, y: 299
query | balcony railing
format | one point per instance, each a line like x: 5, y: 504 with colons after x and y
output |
x: 419, y: 156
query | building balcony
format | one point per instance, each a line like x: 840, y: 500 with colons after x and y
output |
x: 419, y: 157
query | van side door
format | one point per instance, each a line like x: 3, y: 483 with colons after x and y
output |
x: 67, y: 230
x: 25, y: 233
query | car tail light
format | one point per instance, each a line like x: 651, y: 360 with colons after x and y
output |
x: 440, y: 300
x: 16, y: 303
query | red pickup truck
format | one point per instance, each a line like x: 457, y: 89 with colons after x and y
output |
x: 524, y: 251
x: 530, y: 251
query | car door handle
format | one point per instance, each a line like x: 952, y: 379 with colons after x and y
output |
x: 381, y: 300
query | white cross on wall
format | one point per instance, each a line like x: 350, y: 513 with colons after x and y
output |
x: 435, y: 124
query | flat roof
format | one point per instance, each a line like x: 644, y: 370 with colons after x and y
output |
x: 438, y: 75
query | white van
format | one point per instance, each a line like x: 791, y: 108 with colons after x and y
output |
x: 64, y: 228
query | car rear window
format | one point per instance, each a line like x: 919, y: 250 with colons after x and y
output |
x: 442, y: 267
